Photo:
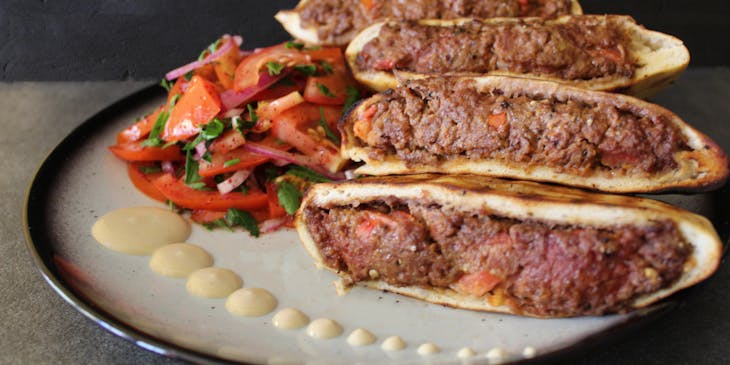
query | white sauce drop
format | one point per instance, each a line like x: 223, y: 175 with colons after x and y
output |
x: 324, y: 328
x: 290, y: 319
x: 496, y: 355
x: 213, y: 282
x: 428, y: 349
x: 393, y: 343
x: 465, y: 352
x: 250, y: 302
x: 178, y: 260
x: 361, y: 337
x: 140, y: 230
x: 529, y: 352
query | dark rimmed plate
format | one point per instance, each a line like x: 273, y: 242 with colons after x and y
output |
x: 80, y: 181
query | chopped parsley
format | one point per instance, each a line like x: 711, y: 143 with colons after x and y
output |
x: 327, y: 67
x: 289, y: 196
x: 192, y: 178
x: 189, y: 75
x: 309, y: 70
x: 306, y: 174
x: 353, y: 95
x: 327, y: 131
x: 218, y: 223
x: 166, y: 84
x: 213, y: 129
x: 211, y: 48
x: 150, y: 169
x: 231, y: 162
x: 236, y: 217
x: 294, y: 45
x: 274, y: 68
x: 324, y: 90
x: 154, y: 138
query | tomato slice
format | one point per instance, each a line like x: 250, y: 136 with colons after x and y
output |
x: 275, y: 208
x: 184, y: 196
x: 225, y: 65
x: 230, y: 140
x: 478, y: 283
x: 143, y: 182
x: 135, y: 151
x: 280, y: 89
x: 246, y: 159
x: 198, y: 105
x: 271, y: 109
x: 298, y: 126
x: 329, y: 89
x: 206, y: 216
x: 141, y: 128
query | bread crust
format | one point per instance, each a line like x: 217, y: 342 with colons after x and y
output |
x: 702, y: 168
x: 661, y: 58
x: 516, y: 200
x: 292, y: 23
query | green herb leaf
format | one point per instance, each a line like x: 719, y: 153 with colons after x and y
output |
x: 211, y: 48
x: 271, y: 172
x: 353, y: 95
x: 306, y: 174
x: 166, y: 84
x: 236, y: 217
x: 218, y: 223
x: 213, y: 129
x: 150, y: 169
x: 294, y: 45
x: 192, y: 179
x: 327, y: 67
x: 154, y: 138
x: 168, y: 144
x: 327, y: 131
x: 309, y: 70
x: 274, y: 68
x: 289, y: 196
x: 252, y: 113
x: 231, y: 162
x: 324, y: 90
x: 189, y: 75
x: 171, y: 205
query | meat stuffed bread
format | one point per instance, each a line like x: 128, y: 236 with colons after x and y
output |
x: 336, y: 22
x: 597, y: 52
x: 486, y: 244
x: 532, y: 130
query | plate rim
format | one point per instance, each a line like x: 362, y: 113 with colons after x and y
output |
x: 33, y: 212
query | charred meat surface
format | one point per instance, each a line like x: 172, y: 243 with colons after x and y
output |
x: 334, y: 18
x: 582, y: 48
x: 432, y: 120
x: 542, y: 268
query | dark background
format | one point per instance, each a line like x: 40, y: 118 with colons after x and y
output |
x: 141, y: 40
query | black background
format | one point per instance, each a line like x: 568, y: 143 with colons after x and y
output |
x: 118, y: 40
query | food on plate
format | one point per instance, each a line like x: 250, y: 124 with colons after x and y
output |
x: 481, y: 243
x: 242, y: 134
x: 530, y: 129
x: 335, y: 22
x: 599, y: 52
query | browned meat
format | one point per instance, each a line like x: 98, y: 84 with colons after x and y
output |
x: 333, y: 18
x: 436, y: 119
x: 581, y: 49
x: 544, y: 268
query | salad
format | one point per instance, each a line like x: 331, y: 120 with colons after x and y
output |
x: 242, y: 133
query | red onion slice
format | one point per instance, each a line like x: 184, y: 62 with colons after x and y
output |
x: 292, y: 158
x: 200, y: 150
x: 232, y: 98
x: 273, y: 224
x: 227, y: 185
x: 167, y: 167
x: 200, y: 63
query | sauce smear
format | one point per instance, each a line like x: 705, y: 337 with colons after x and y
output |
x: 140, y: 230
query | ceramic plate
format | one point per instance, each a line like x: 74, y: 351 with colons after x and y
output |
x: 80, y: 181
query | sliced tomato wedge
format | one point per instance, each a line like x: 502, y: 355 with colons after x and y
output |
x: 275, y: 208
x: 184, y: 196
x: 280, y: 89
x: 198, y: 105
x: 141, y: 128
x: 210, y: 216
x: 230, y: 140
x: 478, y: 283
x: 135, y: 151
x: 328, y: 89
x: 143, y: 182
x: 246, y: 159
x: 225, y: 65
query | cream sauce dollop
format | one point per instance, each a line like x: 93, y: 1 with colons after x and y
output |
x: 178, y: 260
x: 290, y: 319
x: 250, y: 302
x: 428, y: 349
x: 213, y: 282
x: 393, y: 343
x: 361, y: 337
x: 140, y: 230
x: 324, y: 328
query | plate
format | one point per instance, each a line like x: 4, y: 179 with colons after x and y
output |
x: 80, y: 181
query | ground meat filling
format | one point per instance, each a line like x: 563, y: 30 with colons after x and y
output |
x: 543, y: 268
x: 581, y: 49
x: 334, y: 18
x: 434, y: 120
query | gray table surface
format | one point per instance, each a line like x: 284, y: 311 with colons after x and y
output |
x: 38, y: 327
